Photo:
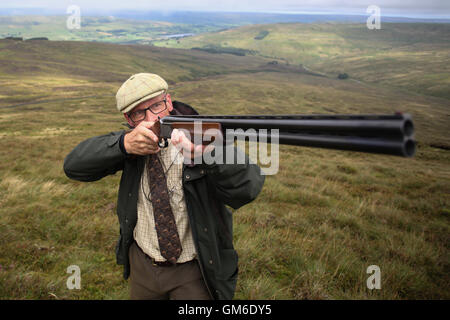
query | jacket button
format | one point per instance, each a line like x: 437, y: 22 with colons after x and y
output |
x: 206, y: 229
x: 202, y: 171
x: 126, y: 220
x: 129, y: 194
x: 188, y: 177
x: 210, y: 262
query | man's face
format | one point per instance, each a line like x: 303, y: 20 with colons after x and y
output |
x: 142, y: 111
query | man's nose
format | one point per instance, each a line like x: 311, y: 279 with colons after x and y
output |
x: 149, y: 116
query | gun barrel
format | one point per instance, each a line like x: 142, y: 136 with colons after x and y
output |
x: 370, y: 125
x: 398, y: 147
x: 387, y: 134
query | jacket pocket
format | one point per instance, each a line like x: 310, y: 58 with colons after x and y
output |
x: 194, y: 173
x: 228, y: 264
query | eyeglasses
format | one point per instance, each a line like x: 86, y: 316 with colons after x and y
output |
x: 155, y: 108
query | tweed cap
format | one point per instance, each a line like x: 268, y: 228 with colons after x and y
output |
x: 139, y: 88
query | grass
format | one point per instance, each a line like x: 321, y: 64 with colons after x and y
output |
x: 317, y: 234
x: 312, y: 232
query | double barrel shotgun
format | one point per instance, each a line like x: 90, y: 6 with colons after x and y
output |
x: 384, y: 134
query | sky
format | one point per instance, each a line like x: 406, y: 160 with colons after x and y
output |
x: 414, y: 8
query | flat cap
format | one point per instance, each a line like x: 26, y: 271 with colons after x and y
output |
x: 138, y: 88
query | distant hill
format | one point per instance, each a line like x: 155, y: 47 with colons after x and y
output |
x: 144, y: 27
x: 87, y: 62
x: 103, y: 29
x: 108, y: 62
x: 408, y: 56
x: 33, y: 72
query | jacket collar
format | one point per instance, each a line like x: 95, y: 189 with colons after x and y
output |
x: 180, y: 108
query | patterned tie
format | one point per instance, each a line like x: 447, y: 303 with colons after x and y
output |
x: 166, y: 228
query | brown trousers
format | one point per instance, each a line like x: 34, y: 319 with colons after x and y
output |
x: 178, y: 282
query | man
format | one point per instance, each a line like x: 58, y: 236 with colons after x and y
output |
x: 175, y: 231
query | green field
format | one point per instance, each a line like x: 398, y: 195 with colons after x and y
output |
x: 317, y: 225
x: 102, y: 29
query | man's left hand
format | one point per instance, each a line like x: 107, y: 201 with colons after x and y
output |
x: 187, y: 148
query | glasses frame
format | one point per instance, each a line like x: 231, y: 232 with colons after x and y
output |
x: 150, y: 109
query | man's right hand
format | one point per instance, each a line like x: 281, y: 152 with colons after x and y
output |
x: 142, y: 140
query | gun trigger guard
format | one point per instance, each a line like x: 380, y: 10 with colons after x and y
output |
x: 163, y: 143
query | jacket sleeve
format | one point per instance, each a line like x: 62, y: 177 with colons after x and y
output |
x: 236, y: 184
x: 95, y: 158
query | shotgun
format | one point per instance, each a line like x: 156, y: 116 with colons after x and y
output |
x: 384, y: 134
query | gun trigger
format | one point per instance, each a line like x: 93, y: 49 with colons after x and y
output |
x: 163, y: 143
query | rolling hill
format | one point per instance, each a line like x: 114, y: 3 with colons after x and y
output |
x: 408, y: 56
x: 311, y: 234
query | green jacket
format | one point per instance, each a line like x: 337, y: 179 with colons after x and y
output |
x: 207, y: 189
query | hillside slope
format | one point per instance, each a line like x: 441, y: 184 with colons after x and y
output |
x: 311, y: 234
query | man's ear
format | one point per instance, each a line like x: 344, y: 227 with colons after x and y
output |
x: 169, y: 102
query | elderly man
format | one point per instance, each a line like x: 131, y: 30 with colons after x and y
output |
x: 175, y: 230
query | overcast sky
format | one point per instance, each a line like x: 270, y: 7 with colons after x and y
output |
x: 388, y: 7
